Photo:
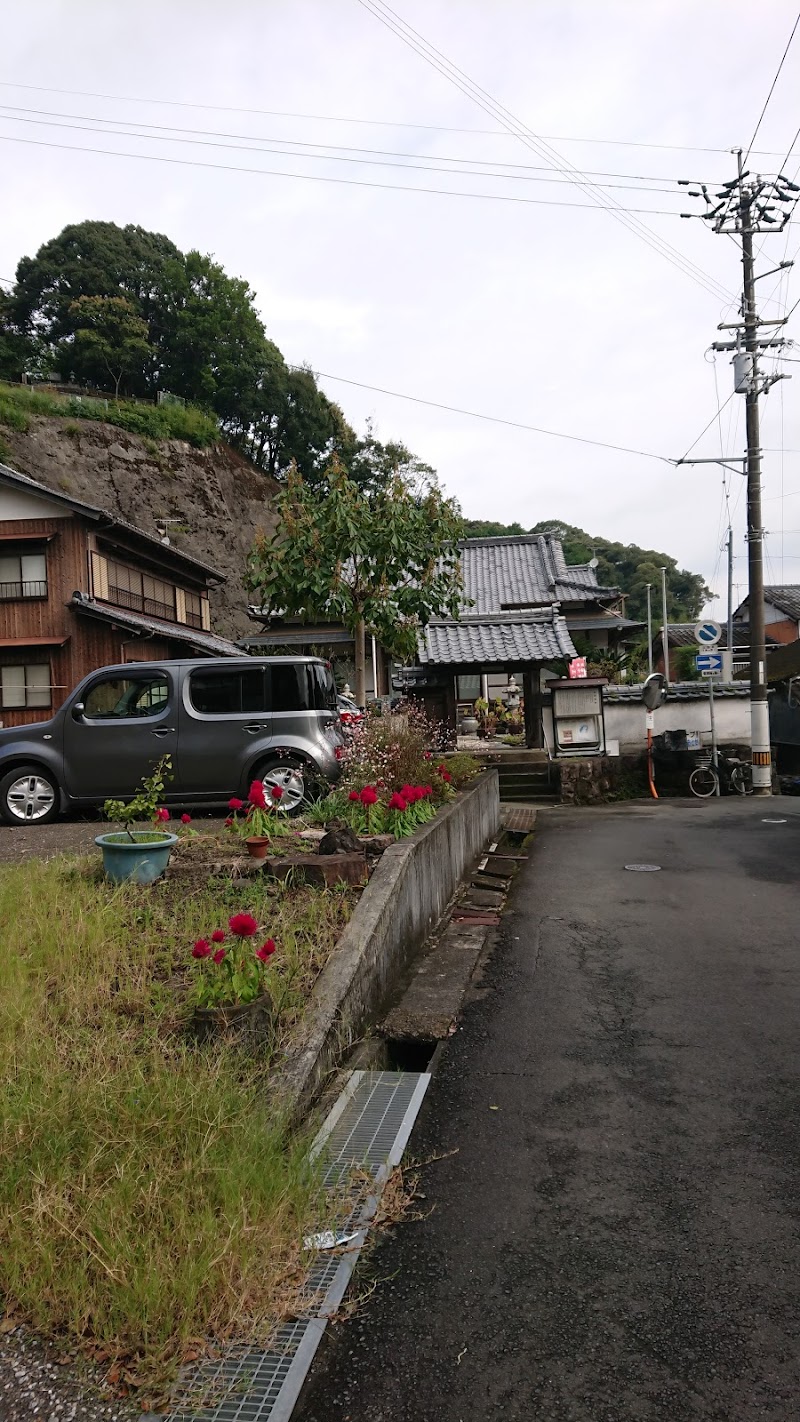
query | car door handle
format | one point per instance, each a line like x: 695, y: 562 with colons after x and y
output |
x: 252, y: 729
x: 163, y: 731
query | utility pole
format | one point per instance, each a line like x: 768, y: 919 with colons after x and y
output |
x: 750, y: 204
x: 649, y: 631
x: 730, y: 601
x: 665, y: 624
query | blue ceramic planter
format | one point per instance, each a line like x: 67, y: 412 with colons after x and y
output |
x: 143, y: 860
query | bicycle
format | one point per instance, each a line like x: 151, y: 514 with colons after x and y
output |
x: 734, y: 776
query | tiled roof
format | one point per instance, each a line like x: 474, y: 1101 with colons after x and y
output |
x: 521, y: 572
x: 786, y: 598
x: 538, y: 637
x: 680, y: 691
x: 175, y: 632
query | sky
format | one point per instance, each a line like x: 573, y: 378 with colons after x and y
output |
x: 532, y: 311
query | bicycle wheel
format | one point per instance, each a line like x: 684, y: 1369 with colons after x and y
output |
x: 742, y: 780
x: 703, y: 782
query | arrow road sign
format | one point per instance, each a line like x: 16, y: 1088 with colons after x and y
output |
x: 707, y: 633
x: 708, y: 663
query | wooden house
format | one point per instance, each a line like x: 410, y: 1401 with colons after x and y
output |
x: 80, y: 589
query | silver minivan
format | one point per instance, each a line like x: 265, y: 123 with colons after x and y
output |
x: 223, y: 721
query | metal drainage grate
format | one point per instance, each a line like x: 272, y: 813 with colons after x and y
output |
x: 368, y: 1127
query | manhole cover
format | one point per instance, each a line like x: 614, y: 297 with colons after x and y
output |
x: 773, y: 822
x: 643, y: 868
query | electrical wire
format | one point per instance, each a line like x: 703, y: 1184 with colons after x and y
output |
x: 484, y: 100
x: 705, y: 428
x: 260, y: 147
x: 380, y: 153
x: 771, y: 89
x: 370, y: 123
x: 316, y: 177
x: 493, y: 419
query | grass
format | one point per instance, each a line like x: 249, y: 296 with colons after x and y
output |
x: 149, y: 1195
x: 155, y: 422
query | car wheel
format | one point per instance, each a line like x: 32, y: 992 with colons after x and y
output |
x: 295, y: 779
x: 29, y: 796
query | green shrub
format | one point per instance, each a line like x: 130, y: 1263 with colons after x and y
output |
x: 157, y: 422
x: 12, y: 415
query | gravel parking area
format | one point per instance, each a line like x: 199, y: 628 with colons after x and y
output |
x: 38, y: 1383
x: 72, y: 836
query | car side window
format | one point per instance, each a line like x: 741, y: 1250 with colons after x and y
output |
x: 290, y: 687
x: 126, y: 698
x: 228, y: 693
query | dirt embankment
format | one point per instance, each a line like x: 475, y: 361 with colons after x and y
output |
x: 212, y: 500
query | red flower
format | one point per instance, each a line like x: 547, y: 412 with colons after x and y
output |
x: 276, y: 792
x: 219, y: 955
x: 186, y: 819
x: 243, y: 925
x: 256, y: 795
x: 201, y: 949
x: 354, y: 795
x: 398, y: 803
x: 228, y: 823
x: 446, y: 776
x: 369, y: 796
x: 235, y: 804
x: 265, y: 952
x: 218, y: 936
x: 442, y: 769
x: 428, y: 789
x: 162, y: 814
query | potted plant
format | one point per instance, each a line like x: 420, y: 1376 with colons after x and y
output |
x: 229, y: 992
x: 259, y: 824
x: 141, y: 855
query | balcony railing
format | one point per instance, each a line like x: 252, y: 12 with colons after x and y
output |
x: 123, y: 597
x: 194, y: 619
x: 9, y: 591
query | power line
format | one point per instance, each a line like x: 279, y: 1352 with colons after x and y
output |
x: 493, y: 419
x: 772, y: 89
x: 369, y: 123
x: 317, y: 177
x: 707, y: 427
x: 256, y: 145
x: 432, y: 56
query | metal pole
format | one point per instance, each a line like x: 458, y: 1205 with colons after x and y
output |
x: 730, y: 600
x: 714, y: 754
x: 759, y: 707
x: 649, y: 631
x: 665, y: 627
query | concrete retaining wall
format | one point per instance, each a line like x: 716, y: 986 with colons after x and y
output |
x: 406, y: 896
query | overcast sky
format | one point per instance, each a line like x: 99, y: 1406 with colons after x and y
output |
x: 542, y: 314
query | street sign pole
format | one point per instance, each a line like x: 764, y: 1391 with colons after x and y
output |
x: 714, y: 755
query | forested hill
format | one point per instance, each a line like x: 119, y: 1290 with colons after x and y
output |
x: 623, y: 565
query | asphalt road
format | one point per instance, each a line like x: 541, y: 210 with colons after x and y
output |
x: 616, y: 1238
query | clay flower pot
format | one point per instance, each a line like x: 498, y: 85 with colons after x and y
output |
x: 257, y: 846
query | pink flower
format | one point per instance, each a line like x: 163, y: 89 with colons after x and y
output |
x: 218, y: 936
x: 243, y: 925
x: 354, y: 795
x: 398, y: 803
x: 219, y: 955
x: 265, y: 952
x: 369, y: 796
x: 276, y: 792
x: 235, y: 804
x: 186, y: 819
x: 201, y: 948
x: 162, y: 814
x: 228, y: 823
x: 256, y: 795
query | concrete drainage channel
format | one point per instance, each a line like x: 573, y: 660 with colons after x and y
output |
x: 386, y: 1077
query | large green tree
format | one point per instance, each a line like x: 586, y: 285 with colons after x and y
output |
x: 109, y: 341
x: 381, y: 561
x: 631, y: 568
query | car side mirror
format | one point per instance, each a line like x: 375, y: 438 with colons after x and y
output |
x: 78, y: 710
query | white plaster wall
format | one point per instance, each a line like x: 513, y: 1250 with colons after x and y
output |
x: 18, y: 503
x: 625, y: 721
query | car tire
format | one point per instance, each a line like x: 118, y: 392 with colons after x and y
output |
x: 296, y: 778
x: 29, y: 795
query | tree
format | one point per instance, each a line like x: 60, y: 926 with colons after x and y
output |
x: 631, y: 568
x: 13, y: 345
x: 485, y: 528
x: 382, y: 561
x: 109, y: 340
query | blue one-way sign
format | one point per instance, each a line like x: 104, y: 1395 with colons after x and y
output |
x: 708, y: 663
